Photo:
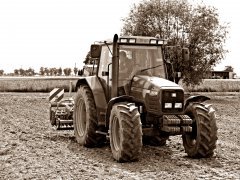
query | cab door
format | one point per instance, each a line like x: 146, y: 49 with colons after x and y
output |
x: 105, y: 70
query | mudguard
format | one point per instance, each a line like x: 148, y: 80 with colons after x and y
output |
x: 97, y: 90
x: 124, y: 98
x: 196, y: 98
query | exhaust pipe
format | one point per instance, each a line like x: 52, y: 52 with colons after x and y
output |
x: 115, y: 67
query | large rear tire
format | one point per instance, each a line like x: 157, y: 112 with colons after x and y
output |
x: 125, y: 132
x: 202, y: 141
x: 85, y: 119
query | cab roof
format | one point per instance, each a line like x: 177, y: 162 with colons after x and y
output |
x: 136, y: 40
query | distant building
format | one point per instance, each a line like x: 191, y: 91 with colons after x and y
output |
x: 222, y: 75
x: 227, y: 73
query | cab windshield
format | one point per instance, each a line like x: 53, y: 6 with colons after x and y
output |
x: 140, y: 60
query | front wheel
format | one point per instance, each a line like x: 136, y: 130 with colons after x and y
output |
x: 125, y: 132
x: 202, y: 141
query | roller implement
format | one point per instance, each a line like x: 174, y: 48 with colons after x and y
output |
x: 61, y: 110
x: 127, y: 95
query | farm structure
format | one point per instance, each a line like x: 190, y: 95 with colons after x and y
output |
x: 222, y: 75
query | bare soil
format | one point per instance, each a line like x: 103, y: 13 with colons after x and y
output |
x: 31, y: 149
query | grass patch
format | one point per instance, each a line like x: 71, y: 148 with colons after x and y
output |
x: 46, y: 84
x: 30, y: 84
x: 216, y: 85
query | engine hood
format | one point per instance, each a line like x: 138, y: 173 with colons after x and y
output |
x: 155, y: 92
x: 153, y: 83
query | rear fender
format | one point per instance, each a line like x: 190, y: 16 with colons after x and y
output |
x: 197, y: 98
x: 124, y: 98
x: 97, y: 90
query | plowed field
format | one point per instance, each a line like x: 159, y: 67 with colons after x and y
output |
x: 31, y: 149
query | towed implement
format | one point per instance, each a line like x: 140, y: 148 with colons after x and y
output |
x: 128, y: 97
x: 61, y: 110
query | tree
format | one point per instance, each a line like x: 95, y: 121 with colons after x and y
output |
x: 75, y: 70
x: 29, y: 72
x: 195, y: 27
x: 46, y: 71
x: 1, y: 72
x: 87, y: 59
x: 67, y: 71
x: 53, y: 71
x: 16, y: 72
x: 21, y: 72
x: 60, y: 71
x: 42, y: 71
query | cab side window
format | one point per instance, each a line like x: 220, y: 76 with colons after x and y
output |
x: 105, y: 60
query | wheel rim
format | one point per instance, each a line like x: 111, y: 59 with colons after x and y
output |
x: 81, y: 118
x: 116, y: 133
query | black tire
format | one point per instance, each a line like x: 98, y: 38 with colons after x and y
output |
x: 125, y: 132
x: 85, y: 119
x: 202, y: 141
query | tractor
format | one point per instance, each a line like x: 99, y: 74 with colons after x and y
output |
x: 129, y: 98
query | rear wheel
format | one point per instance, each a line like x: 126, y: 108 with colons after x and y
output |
x: 85, y: 119
x: 125, y: 132
x: 202, y: 141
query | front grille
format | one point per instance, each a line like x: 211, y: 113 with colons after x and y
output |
x: 153, y: 104
x: 167, y: 98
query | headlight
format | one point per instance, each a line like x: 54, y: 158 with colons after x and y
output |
x: 123, y: 40
x: 153, y: 93
x: 153, y: 41
x: 132, y: 40
x: 178, y: 105
x: 167, y: 105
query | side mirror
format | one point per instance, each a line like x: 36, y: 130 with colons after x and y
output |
x: 185, y: 54
x: 95, y: 51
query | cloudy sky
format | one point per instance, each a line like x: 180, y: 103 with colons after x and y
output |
x: 58, y: 33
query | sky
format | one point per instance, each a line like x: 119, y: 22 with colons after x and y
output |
x: 58, y: 33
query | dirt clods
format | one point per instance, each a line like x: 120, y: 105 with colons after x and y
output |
x: 31, y: 149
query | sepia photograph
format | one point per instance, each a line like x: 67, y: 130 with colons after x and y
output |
x: 110, y: 89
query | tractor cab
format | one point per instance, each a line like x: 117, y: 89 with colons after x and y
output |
x: 132, y: 56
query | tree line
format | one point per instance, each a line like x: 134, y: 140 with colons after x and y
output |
x: 44, y: 71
